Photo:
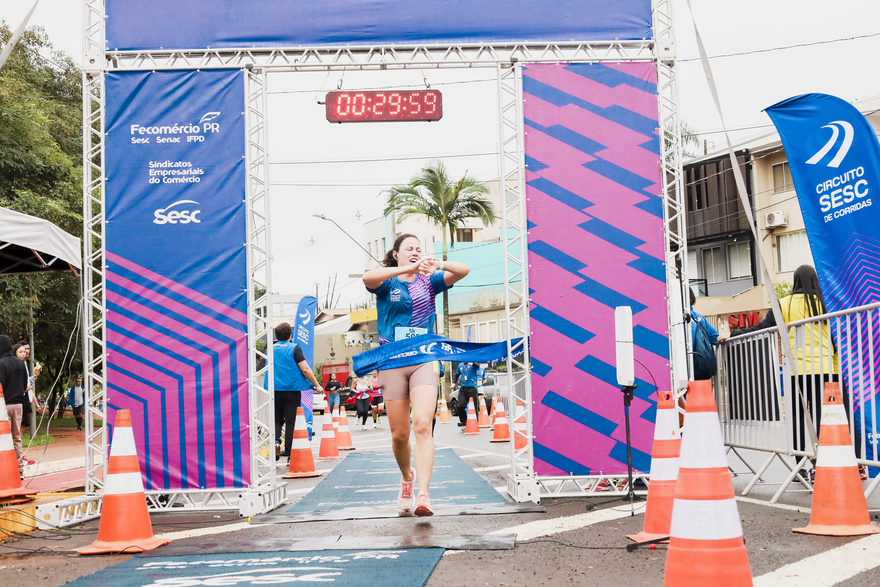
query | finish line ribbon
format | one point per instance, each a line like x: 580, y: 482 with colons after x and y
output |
x: 426, y: 348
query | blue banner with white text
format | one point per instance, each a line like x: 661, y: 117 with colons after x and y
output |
x: 426, y: 348
x: 834, y: 157
x: 304, y: 336
x: 196, y: 24
x: 176, y: 274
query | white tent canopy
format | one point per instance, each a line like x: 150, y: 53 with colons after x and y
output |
x: 29, y: 244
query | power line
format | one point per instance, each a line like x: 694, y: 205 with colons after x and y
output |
x: 29, y: 121
x: 784, y: 47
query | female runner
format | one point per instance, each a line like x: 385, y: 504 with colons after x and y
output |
x: 405, y: 288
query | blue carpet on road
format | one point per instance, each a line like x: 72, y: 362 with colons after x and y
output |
x: 373, y: 479
x: 391, y: 568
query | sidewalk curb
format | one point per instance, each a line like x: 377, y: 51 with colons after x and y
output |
x: 49, y: 467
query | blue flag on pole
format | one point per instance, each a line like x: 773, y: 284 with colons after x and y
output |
x: 834, y: 157
x: 304, y: 336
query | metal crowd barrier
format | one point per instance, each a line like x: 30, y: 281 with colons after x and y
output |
x: 760, y: 411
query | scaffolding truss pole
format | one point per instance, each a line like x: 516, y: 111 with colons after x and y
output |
x: 383, y: 56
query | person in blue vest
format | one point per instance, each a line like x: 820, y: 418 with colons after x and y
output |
x: 405, y: 288
x: 468, y: 378
x: 292, y: 376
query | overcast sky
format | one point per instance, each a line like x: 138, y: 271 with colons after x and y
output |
x: 762, y: 52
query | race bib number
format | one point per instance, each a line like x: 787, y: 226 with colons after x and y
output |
x: 402, y: 332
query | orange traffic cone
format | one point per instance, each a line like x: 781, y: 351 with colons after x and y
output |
x: 328, y: 450
x: 125, y: 522
x: 502, y: 430
x: 484, y: 421
x: 493, y: 413
x: 10, y: 480
x: 343, y: 433
x: 334, y: 413
x: 301, y: 462
x: 664, y: 471
x: 444, y: 411
x: 520, y: 428
x: 839, y: 506
x: 706, y: 545
x: 472, y: 427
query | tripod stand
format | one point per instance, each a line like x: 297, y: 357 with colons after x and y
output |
x: 628, y: 392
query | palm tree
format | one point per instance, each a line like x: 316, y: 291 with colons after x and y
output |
x: 444, y: 203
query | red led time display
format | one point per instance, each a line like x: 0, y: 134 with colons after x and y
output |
x: 384, y: 105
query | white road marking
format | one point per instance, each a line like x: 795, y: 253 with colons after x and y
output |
x: 781, y: 506
x: 203, y: 531
x: 540, y: 528
x: 828, y: 568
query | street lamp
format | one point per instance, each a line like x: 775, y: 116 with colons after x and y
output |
x: 322, y: 217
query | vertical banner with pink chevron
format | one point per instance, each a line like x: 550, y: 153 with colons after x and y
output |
x: 176, y: 276
x: 596, y: 241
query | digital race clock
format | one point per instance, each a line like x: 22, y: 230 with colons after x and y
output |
x: 384, y: 105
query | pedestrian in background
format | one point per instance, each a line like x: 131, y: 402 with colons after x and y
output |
x: 376, y: 398
x: 292, y: 376
x: 76, y: 399
x: 332, y: 391
x: 467, y: 377
x: 362, y: 399
x: 13, y: 382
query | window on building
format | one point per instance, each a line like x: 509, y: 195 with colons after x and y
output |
x: 464, y: 235
x: 693, y: 267
x: 793, y: 250
x: 782, y: 178
x: 739, y: 260
x: 382, y: 250
x: 713, y: 265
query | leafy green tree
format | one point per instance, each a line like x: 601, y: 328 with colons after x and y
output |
x: 446, y: 204
x: 41, y: 175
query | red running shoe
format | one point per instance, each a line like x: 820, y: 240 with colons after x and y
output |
x: 423, y: 505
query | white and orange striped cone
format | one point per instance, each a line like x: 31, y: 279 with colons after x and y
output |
x: 493, y: 413
x: 443, y: 411
x: 328, y: 449
x: 502, y: 430
x: 483, y: 421
x: 125, y: 522
x: 664, y: 471
x: 472, y: 427
x: 10, y: 479
x: 334, y: 413
x: 520, y: 428
x: 839, y: 507
x: 343, y: 433
x: 302, y: 463
x: 706, y: 545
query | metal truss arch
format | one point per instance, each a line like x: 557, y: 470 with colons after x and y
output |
x: 382, y: 56
x: 266, y: 490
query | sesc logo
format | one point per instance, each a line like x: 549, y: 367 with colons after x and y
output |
x: 183, y: 214
x: 306, y: 317
x: 845, y: 143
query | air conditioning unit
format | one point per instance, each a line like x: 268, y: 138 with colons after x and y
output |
x: 776, y: 219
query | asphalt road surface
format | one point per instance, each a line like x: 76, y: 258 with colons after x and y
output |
x: 566, y: 545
